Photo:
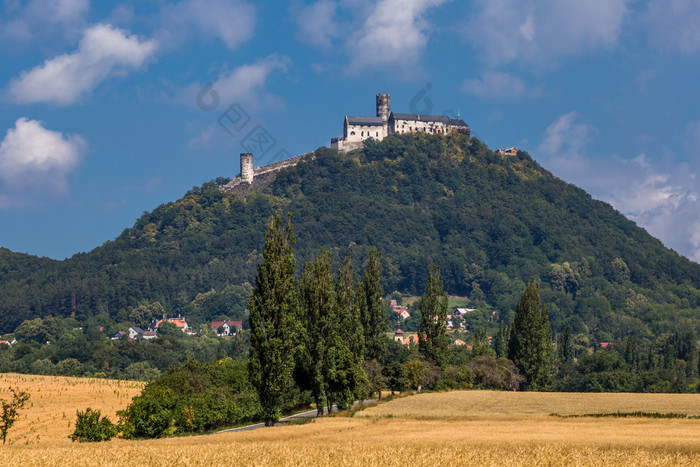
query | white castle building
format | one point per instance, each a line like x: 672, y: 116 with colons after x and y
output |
x: 358, y: 129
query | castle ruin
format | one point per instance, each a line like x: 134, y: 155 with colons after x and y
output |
x: 358, y: 129
x: 355, y: 131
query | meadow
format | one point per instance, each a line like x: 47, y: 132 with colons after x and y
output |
x: 453, y: 428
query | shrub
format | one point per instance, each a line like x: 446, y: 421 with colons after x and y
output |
x: 90, y: 427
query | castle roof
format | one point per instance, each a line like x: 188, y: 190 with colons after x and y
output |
x: 366, y: 121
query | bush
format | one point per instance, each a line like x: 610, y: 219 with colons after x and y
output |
x: 90, y: 427
x: 194, y: 398
x: 491, y: 373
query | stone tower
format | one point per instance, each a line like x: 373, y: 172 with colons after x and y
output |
x: 247, y: 173
x: 383, y: 110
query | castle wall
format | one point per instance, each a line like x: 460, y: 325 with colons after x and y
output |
x: 249, y: 173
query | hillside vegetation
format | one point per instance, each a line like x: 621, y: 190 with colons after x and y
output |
x: 488, y: 221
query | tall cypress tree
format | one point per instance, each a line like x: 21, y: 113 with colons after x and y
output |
x: 530, y: 345
x: 274, y: 318
x: 432, y: 332
x: 374, y: 322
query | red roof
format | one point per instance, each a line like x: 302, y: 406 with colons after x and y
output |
x: 179, y: 322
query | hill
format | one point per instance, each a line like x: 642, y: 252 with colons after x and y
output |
x: 489, y: 221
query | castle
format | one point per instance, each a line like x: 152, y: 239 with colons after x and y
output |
x: 355, y: 131
x: 358, y: 129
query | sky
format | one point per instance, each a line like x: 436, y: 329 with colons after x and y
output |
x: 109, y: 109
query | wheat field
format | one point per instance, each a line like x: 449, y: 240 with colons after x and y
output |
x: 49, y: 415
x: 454, y: 428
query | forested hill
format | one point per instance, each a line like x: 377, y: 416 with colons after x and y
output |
x: 488, y: 221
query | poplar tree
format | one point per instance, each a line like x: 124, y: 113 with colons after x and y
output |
x: 373, y: 316
x: 274, y: 317
x: 347, y: 383
x: 334, y: 334
x: 432, y: 332
x: 530, y: 345
x: 318, y: 303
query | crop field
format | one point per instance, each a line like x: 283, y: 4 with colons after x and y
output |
x: 454, y: 428
x: 49, y: 415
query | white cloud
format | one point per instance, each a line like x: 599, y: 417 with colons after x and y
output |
x: 231, y: 21
x: 564, y: 136
x: 39, y: 17
x: 499, y: 85
x: 542, y: 30
x: 317, y: 24
x: 244, y: 84
x: 36, y: 161
x: 664, y: 201
x: 674, y: 24
x: 103, y: 51
x: 393, y: 35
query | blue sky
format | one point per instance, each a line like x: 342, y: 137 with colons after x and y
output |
x: 108, y: 109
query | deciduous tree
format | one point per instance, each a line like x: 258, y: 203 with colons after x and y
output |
x: 10, y: 411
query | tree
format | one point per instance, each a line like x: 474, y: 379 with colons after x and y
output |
x: 372, y: 314
x: 501, y: 340
x: 143, y: 314
x: 91, y: 427
x: 530, y: 345
x: 318, y: 305
x: 10, y: 411
x: 565, y: 348
x: 348, y: 382
x: 432, y: 333
x: 274, y: 315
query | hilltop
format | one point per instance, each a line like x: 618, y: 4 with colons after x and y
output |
x: 488, y: 220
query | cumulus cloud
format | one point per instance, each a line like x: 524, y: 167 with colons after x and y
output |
x: 317, y: 24
x: 394, y: 34
x: 36, y: 161
x: 495, y: 84
x: 673, y: 24
x: 662, y: 199
x: 231, y: 21
x: 103, y: 51
x: 543, y: 30
x: 23, y: 23
x: 565, y: 136
x: 244, y: 84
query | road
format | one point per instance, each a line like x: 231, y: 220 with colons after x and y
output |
x: 308, y: 414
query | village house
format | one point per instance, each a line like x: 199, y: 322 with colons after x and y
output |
x: 181, y: 323
x: 135, y: 332
x: 459, y: 312
x: 226, y: 328
x: 118, y: 335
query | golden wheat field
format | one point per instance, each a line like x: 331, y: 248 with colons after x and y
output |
x: 454, y: 428
x: 49, y: 415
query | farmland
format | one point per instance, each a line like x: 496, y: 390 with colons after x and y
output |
x: 49, y: 415
x: 461, y: 427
